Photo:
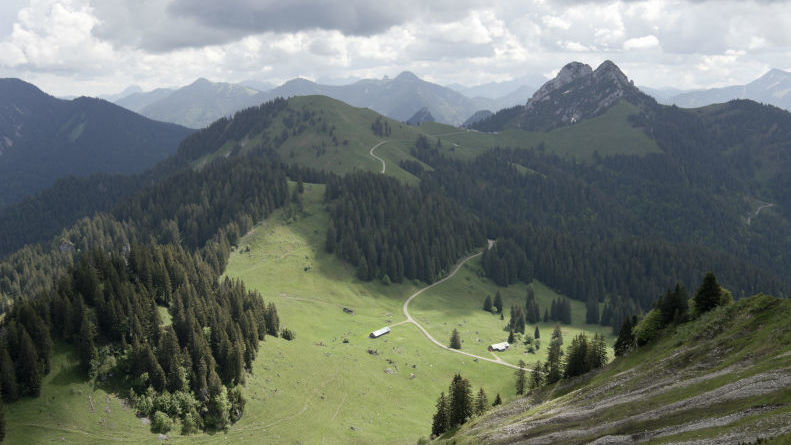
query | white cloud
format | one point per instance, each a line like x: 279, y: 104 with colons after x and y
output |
x: 100, y: 46
x: 649, y: 41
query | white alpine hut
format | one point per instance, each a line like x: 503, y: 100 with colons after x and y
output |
x: 380, y: 332
x: 499, y: 346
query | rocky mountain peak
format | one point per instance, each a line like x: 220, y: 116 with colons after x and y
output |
x: 569, y: 73
x: 579, y: 92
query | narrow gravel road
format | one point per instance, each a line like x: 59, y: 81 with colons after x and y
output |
x: 377, y: 157
x: 409, y: 318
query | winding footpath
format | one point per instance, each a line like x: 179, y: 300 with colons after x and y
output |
x: 371, y: 152
x: 750, y: 218
x: 409, y: 318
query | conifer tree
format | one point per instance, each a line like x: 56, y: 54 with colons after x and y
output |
x: 709, y: 294
x: 577, y: 356
x: 557, y: 334
x: 8, y: 384
x: 674, y: 306
x: 517, y: 321
x: 481, y: 402
x: 510, y: 337
x: 521, y: 378
x: 28, y: 369
x: 441, y: 420
x: 554, y: 356
x: 597, y: 352
x: 455, y: 339
x: 536, y: 334
x: 87, y: 348
x: 537, y: 376
x: 498, y: 302
x: 626, y: 340
x: 497, y: 400
x: 461, y: 403
x: 487, y: 303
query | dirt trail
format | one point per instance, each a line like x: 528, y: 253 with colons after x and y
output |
x: 371, y: 152
x: 757, y: 211
x: 409, y: 318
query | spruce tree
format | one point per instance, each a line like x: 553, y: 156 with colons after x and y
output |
x: 708, y: 295
x: 497, y: 400
x: 626, y: 340
x: 521, y: 378
x: 487, y: 303
x: 440, y: 423
x: 537, y: 376
x: 86, y: 347
x: 461, y: 405
x: 557, y: 334
x: 455, y: 339
x: 498, y: 302
x: 536, y: 334
x: 8, y: 385
x: 28, y: 369
x: 577, y: 356
x: 510, y: 337
x: 554, y: 356
x: 481, y: 402
x: 597, y: 352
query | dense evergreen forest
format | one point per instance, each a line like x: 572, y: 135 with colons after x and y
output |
x: 617, y: 229
x: 104, y: 290
x: 391, y: 231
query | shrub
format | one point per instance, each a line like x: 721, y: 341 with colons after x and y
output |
x: 161, y: 423
x: 288, y: 334
x: 648, y: 328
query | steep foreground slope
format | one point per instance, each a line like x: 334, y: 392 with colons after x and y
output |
x: 724, y: 378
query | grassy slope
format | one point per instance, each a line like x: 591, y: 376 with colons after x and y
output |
x: 458, y: 302
x: 352, y: 125
x: 608, y: 134
x: 748, y: 342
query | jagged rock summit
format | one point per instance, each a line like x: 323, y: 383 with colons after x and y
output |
x: 568, y: 74
x: 579, y: 92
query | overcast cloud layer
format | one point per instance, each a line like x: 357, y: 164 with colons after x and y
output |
x: 74, y: 47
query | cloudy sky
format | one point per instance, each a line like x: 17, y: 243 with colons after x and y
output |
x: 72, y: 47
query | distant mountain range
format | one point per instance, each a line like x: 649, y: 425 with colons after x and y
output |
x: 202, y: 102
x: 43, y: 138
x: 773, y: 88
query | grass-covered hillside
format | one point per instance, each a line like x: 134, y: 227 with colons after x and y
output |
x: 724, y: 378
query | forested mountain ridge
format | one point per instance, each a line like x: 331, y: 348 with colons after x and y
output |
x: 43, y: 138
